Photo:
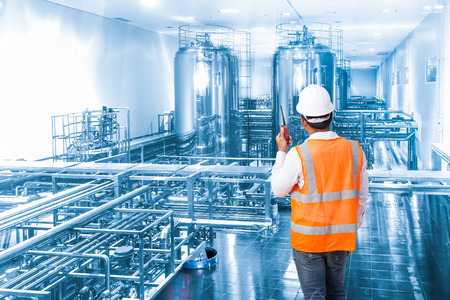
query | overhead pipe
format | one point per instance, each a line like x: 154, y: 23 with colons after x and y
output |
x: 39, y: 203
x: 224, y: 223
x: 26, y: 245
x: 47, y: 206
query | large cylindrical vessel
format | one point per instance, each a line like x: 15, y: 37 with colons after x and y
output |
x: 298, y: 63
x: 205, y: 88
x: 343, y: 87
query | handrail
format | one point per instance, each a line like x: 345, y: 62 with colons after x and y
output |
x: 439, y: 152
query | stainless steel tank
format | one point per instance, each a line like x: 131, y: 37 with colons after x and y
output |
x: 343, y: 84
x: 205, y: 88
x: 297, y: 64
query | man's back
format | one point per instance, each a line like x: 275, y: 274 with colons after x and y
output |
x: 324, y: 209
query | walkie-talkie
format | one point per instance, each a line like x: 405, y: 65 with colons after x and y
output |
x: 286, y: 130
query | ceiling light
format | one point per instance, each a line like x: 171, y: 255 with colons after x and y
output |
x: 427, y: 7
x: 227, y: 11
x: 149, y: 3
x: 385, y: 11
x: 365, y: 43
x: 285, y: 14
x: 371, y: 50
x: 439, y: 6
x: 360, y: 64
x: 184, y: 19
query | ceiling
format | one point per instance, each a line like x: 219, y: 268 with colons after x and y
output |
x: 371, y: 28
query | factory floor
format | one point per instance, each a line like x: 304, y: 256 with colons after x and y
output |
x: 402, y: 253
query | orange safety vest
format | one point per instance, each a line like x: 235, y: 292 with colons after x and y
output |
x: 324, y: 210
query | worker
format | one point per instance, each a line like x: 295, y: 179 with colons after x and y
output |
x: 327, y: 180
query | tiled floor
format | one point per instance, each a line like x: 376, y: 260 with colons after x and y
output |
x: 403, y: 253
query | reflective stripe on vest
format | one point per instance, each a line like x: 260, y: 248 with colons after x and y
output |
x: 325, y: 196
x: 356, y: 162
x: 323, y: 229
x: 310, y: 235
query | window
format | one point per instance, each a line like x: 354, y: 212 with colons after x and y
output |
x: 406, y: 75
x: 430, y: 70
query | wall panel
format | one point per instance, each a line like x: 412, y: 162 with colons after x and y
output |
x: 56, y: 60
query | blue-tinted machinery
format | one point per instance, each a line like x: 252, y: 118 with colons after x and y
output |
x: 305, y: 56
x: 120, y: 230
x: 365, y: 103
x: 369, y: 127
x: 216, y: 117
x: 91, y: 134
x: 214, y: 114
x: 114, y: 218
x: 314, y: 56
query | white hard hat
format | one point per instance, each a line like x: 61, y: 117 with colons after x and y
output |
x: 314, y: 101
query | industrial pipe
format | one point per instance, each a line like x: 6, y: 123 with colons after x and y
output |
x: 46, y: 207
x: 25, y: 245
x: 82, y: 255
x: 43, y: 201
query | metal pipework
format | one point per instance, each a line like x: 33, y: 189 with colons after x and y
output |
x: 91, y: 134
x: 38, y: 203
x: 214, y: 160
x: 439, y: 153
x: 52, y: 266
x: 13, y: 200
x: 365, y: 103
x: 50, y: 234
x: 12, y: 179
x: 26, y: 293
x: 369, y: 126
x: 82, y: 255
x: 47, y: 205
x: 128, y: 227
x: 225, y: 223
x: 224, y: 192
x: 409, y: 182
x: 253, y: 134
x: 213, y: 192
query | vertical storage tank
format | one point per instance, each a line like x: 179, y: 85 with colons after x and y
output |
x: 205, y: 89
x: 303, y: 57
x: 343, y: 84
